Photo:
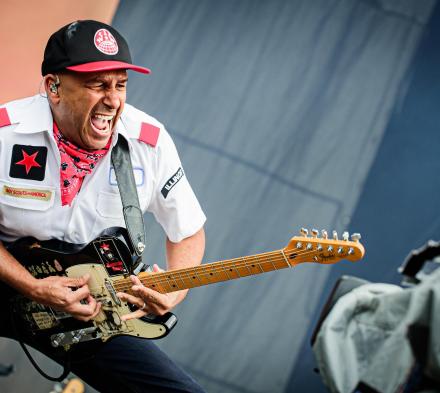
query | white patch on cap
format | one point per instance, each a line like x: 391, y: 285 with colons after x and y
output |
x: 105, y: 42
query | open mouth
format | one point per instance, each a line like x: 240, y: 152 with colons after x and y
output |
x: 102, y: 124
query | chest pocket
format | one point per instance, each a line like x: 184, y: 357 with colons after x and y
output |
x: 109, y: 205
x: 109, y: 211
x: 26, y: 209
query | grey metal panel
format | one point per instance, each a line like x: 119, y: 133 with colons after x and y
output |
x: 277, y: 108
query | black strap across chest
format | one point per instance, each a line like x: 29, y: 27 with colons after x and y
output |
x: 127, y: 188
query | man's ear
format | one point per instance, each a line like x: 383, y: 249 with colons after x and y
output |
x: 51, y: 83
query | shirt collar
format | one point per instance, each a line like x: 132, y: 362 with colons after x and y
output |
x: 121, y: 129
x: 32, y: 117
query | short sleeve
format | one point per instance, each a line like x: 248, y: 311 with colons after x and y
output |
x: 173, y: 203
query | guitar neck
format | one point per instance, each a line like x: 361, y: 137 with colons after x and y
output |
x: 299, y: 250
x: 229, y: 269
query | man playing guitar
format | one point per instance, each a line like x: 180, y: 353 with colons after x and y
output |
x: 58, y: 182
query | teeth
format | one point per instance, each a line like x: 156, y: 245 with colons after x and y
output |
x: 104, y: 117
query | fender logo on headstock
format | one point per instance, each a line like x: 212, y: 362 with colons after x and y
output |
x: 317, y: 249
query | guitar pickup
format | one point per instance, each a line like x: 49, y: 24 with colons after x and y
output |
x: 112, y: 292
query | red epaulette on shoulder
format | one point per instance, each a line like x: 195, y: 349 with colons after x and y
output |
x: 149, y: 134
x: 4, y: 118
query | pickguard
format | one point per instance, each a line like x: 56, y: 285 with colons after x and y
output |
x: 105, y: 260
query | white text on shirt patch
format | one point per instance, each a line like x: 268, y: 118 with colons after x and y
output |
x: 138, y: 176
x: 172, y: 181
x: 27, y: 193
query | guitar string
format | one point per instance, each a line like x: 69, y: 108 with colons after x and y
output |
x: 161, y: 278
x: 199, y: 271
x: 205, y: 270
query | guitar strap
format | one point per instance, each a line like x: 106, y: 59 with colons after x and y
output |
x: 127, y: 189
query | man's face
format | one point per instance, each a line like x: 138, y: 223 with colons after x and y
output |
x: 89, y: 105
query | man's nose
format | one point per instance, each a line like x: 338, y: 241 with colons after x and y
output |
x: 112, y: 99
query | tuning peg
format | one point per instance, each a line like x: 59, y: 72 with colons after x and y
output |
x: 335, y: 235
x: 299, y: 245
x: 356, y: 237
x: 324, y: 234
x: 345, y: 235
x: 340, y: 250
x: 330, y: 248
x: 309, y: 246
x: 350, y: 251
x: 315, y: 232
x: 304, y: 232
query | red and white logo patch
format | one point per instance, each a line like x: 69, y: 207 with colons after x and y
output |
x: 105, y: 42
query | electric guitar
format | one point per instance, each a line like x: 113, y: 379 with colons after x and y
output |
x: 107, y: 260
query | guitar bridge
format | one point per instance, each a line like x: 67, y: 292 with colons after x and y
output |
x: 75, y: 337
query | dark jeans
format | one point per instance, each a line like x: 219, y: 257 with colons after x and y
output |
x: 128, y: 364
x: 124, y: 364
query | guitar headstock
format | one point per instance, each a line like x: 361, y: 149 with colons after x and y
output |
x: 322, y: 249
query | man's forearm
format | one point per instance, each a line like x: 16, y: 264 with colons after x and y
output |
x: 14, y: 274
x: 187, y: 253
x: 54, y: 291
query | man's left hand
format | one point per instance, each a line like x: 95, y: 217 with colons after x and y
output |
x: 148, y: 300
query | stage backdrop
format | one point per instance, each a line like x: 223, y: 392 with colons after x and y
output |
x: 278, y: 109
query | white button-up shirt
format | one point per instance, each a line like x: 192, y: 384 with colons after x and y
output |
x: 31, y: 207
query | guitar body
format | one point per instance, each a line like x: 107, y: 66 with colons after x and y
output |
x: 106, y: 259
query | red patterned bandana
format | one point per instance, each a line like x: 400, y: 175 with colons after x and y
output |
x: 75, y: 164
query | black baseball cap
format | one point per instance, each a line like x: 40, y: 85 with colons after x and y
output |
x: 87, y: 46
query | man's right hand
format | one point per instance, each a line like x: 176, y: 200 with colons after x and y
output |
x: 71, y: 295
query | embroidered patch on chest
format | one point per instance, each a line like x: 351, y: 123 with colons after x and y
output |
x: 27, y: 193
x: 137, y: 172
x: 28, y: 162
x: 172, y: 181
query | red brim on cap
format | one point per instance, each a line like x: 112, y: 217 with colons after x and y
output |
x: 107, y: 66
